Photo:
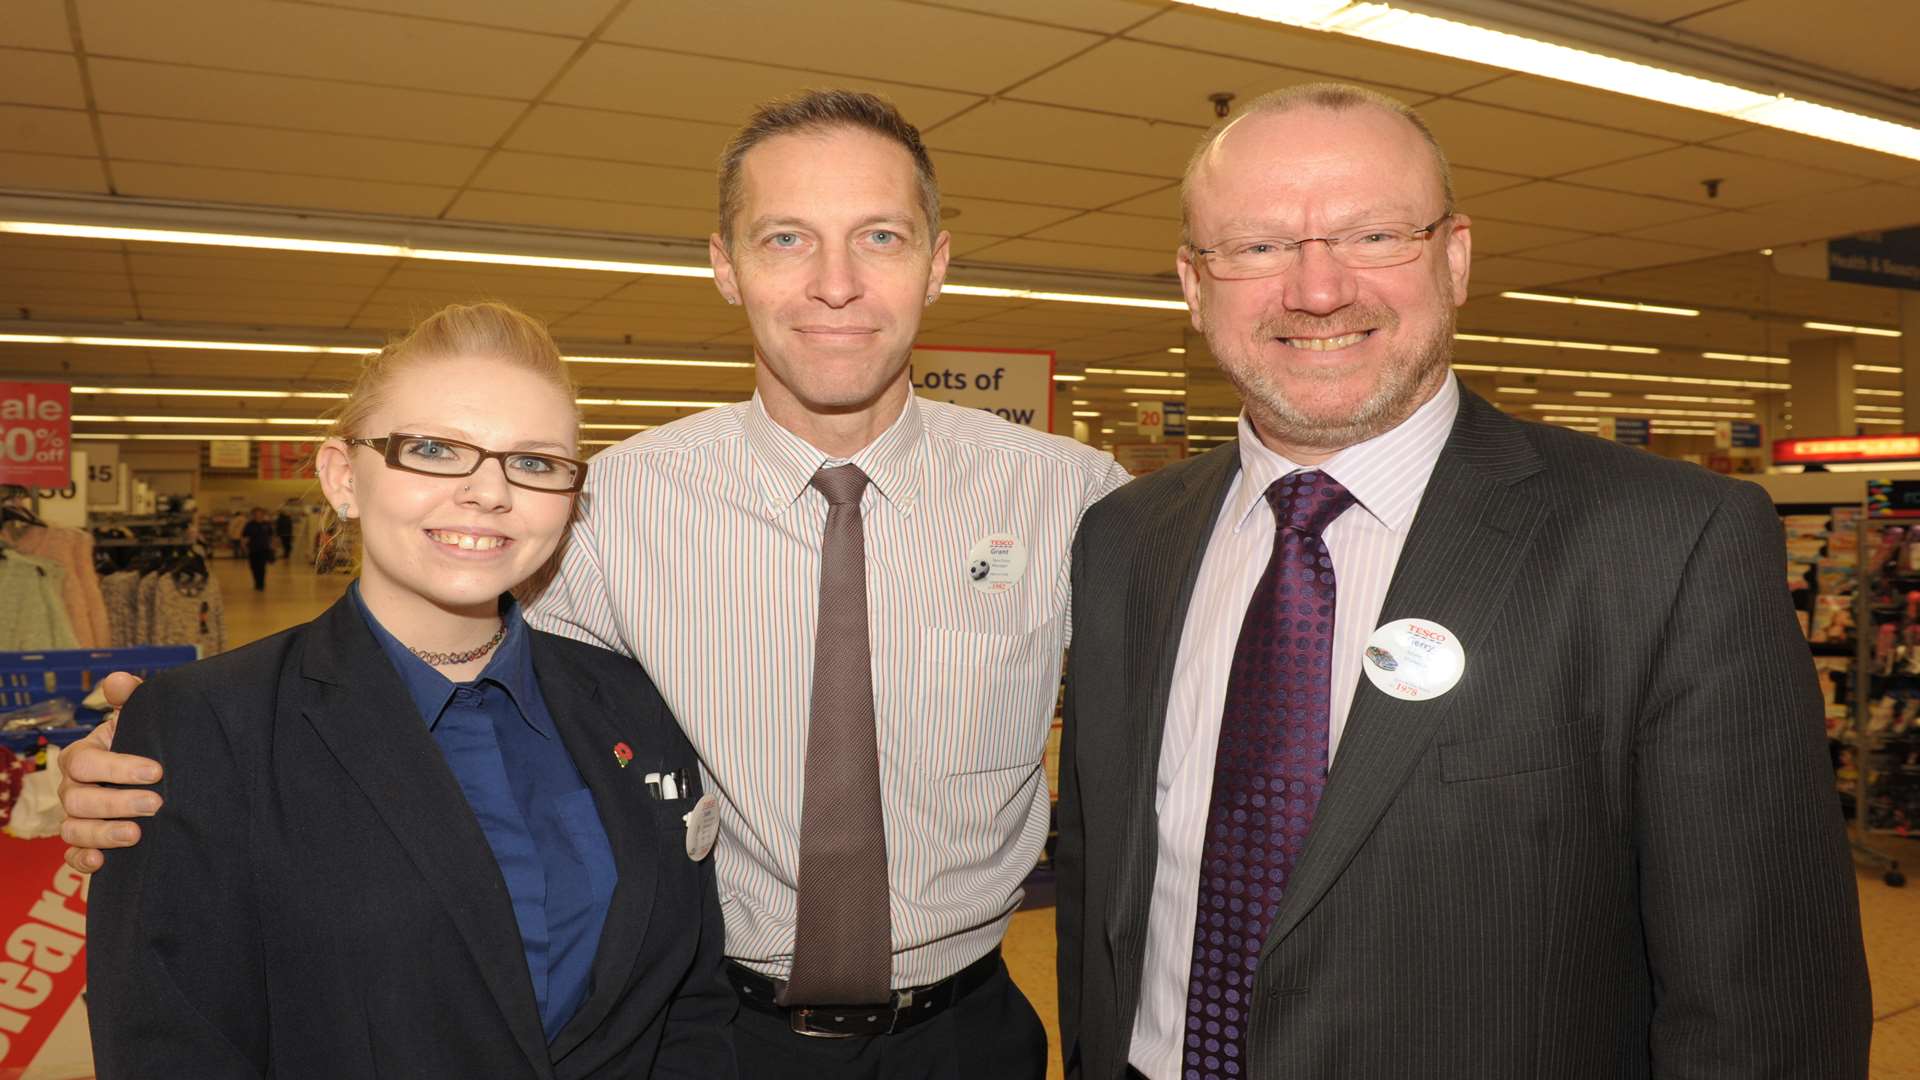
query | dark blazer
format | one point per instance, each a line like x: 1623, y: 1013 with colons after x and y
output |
x: 1613, y: 850
x: 317, y: 900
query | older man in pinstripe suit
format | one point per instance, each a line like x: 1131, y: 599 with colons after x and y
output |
x: 1577, y: 819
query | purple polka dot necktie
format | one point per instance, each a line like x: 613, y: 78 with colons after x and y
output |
x: 1269, y: 772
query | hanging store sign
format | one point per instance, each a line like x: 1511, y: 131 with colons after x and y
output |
x: 1150, y: 418
x: 1852, y: 448
x: 36, y: 426
x: 1013, y: 384
x: 228, y: 454
x: 286, y: 460
x: 1889, y: 259
x: 1626, y: 430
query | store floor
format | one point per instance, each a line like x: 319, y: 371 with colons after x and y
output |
x: 1891, y: 917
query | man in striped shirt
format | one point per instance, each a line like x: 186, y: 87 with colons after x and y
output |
x: 698, y: 551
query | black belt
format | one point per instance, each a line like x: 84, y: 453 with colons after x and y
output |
x: 907, y: 1007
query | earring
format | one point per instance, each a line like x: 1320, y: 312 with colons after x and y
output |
x: 345, y: 508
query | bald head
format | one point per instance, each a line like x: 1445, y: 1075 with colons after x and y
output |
x: 1334, y: 98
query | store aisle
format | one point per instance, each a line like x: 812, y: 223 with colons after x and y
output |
x: 1891, y: 917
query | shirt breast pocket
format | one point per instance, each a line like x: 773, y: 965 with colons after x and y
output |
x: 988, y: 699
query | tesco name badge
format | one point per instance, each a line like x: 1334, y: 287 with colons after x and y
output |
x: 1414, y: 659
x: 996, y: 563
x: 703, y: 826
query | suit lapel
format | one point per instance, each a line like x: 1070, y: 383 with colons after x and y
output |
x: 1165, y: 566
x: 361, y: 710
x: 589, y: 730
x: 1475, y: 523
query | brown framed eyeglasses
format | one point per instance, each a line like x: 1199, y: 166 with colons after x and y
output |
x: 432, y: 455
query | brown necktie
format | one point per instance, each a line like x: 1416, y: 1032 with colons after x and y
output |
x: 843, y: 943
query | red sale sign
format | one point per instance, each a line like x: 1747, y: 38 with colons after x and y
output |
x: 43, y: 920
x: 36, y: 423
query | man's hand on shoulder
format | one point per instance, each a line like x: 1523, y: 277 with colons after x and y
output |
x: 97, y: 816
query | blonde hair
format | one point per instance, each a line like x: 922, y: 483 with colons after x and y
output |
x: 486, y: 330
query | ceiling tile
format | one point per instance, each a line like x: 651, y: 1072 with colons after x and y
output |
x: 1118, y: 230
x: 46, y: 131
x: 1324, y: 54
x: 641, y: 80
x: 574, y: 18
x: 1602, y: 108
x: 1517, y: 270
x: 276, y: 189
x: 863, y: 38
x: 581, y: 213
x: 1468, y: 183
x: 1164, y: 203
x: 1516, y: 142
x: 980, y: 176
x: 998, y: 217
x: 1865, y: 38
x: 1494, y: 237
x: 1656, y: 10
x: 147, y: 89
x: 231, y: 146
x: 48, y: 172
x: 1745, y: 181
x: 1075, y: 256
x: 1817, y: 153
x: 1868, y: 208
x: 1623, y: 253
x: 98, y: 257
x: 1102, y: 16
x: 576, y: 287
x: 40, y: 78
x: 299, y: 39
x: 963, y: 244
x: 220, y: 265
x: 1070, y: 137
x: 1156, y: 81
x: 650, y: 140
x: 1727, y: 231
x: 1551, y: 203
x: 539, y: 174
x: 36, y: 24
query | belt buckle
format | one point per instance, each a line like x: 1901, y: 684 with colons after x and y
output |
x: 799, y: 1018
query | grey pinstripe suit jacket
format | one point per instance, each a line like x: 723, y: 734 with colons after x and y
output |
x: 1613, y: 850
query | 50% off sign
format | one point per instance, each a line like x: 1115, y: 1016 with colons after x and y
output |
x: 36, y: 425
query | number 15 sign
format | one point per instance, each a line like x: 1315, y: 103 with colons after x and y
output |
x: 36, y: 422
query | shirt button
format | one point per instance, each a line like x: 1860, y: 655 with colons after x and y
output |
x: 466, y: 696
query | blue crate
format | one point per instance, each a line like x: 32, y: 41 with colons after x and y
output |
x: 27, y: 677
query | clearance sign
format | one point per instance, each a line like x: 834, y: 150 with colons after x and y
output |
x: 43, y: 963
x: 1013, y: 384
x: 1853, y: 448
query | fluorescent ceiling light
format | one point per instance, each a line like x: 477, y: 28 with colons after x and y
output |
x: 209, y: 436
x: 1878, y: 420
x: 1087, y: 413
x: 1856, y: 408
x: 1154, y: 391
x: 1613, y: 410
x: 1593, y: 393
x: 174, y: 343
x: 1843, y: 328
x: 1864, y: 392
x: 1562, y: 63
x: 175, y: 391
x: 292, y: 421
x: 651, y: 403
x: 1106, y: 431
x: 619, y: 427
x: 1148, y: 373
x: 1590, y: 346
x: 1214, y: 419
x: 1700, y: 400
x: 1746, y: 359
x: 1880, y: 369
x: 654, y: 361
x: 1081, y: 401
x: 1177, y: 351
x: 1514, y: 390
x: 1614, y: 305
x: 312, y: 245
x: 1628, y: 376
x: 1069, y: 378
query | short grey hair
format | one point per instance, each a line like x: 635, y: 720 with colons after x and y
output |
x: 1328, y: 96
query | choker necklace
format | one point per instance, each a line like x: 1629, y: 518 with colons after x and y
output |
x: 442, y: 659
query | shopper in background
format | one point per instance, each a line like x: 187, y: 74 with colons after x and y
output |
x: 416, y: 837
x: 258, y: 536
x: 794, y: 571
x: 283, y: 528
x: 1612, y: 850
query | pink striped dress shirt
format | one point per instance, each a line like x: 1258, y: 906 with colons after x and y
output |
x: 697, y: 552
x: 1387, y: 475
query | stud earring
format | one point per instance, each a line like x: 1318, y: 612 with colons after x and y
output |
x: 345, y: 508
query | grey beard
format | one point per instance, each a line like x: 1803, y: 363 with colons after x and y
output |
x: 1404, y: 387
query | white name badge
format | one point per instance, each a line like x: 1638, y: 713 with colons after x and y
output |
x: 996, y: 563
x: 1414, y: 659
x: 703, y: 826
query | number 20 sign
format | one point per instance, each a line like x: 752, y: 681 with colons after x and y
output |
x: 36, y: 423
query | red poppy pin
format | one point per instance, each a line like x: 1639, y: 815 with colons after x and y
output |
x: 622, y: 753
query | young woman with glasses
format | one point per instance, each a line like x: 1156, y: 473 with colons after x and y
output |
x: 415, y: 837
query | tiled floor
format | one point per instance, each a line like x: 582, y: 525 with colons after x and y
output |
x: 1891, y: 917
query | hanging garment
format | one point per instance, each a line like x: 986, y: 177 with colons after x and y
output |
x: 73, y: 550
x: 186, y: 611
x: 32, y: 614
x: 121, y: 591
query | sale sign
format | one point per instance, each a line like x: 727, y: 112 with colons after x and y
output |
x: 43, y: 920
x: 36, y: 424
